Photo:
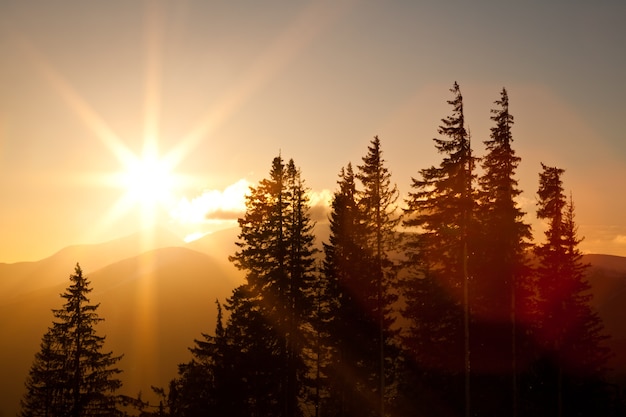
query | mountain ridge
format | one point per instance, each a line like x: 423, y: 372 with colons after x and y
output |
x: 165, y: 295
x: 156, y: 302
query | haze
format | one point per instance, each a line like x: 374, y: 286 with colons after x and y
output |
x: 219, y: 88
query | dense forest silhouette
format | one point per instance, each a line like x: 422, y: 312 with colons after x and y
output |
x: 444, y: 307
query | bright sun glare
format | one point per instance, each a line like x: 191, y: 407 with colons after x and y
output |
x: 148, y: 184
x: 149, y: 181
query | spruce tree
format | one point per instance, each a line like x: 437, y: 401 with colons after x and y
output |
x: 205, y: 384
x: 377, y: 208
x: 45, y: 381
x: 500, y: 269
x: 439, y: 211
x: 71, y: 376
x: 503, y: 240
x: 269, y: 313
x: 302, y: 286
x: 571, y: 357
x: 347, y: 326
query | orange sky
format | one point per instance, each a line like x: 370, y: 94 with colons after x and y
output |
x: 222, y: 87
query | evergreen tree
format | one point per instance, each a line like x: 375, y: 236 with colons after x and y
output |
x: 302, y: 287
x: 500, y: 269
x: 269, y: 313
x: 439, y: 210
x: 201, y: 386
x: 503, y: 241
x: 256, y: 357
x: 44, y: 384
x: 572, y: 358
x: 377, y: 211
x: 347, y: 326
x: 71, y: 376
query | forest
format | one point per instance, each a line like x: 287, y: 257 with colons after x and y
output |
x: 439, y: 304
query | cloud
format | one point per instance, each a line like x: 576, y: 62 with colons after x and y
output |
x: 620, y: 239
x: 194, y: 236
x: 212, y: 205
x: 215, y: 206
x: 528, y: 205
x: 319, y: 202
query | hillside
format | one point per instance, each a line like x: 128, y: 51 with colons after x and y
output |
x: 607, y: 276
x: 154, y: 305
x: 157, y: 302
x: 23, y: 277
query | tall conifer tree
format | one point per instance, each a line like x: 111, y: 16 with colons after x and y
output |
x: 46, y: 381
x: 500, y: 268
x: 440, y: 209
x: 203, y: 386
x: 348, y: 325
x: 377, y: 206
x: 71, y: 375
x: 570, y: 335
x: 272, y: 307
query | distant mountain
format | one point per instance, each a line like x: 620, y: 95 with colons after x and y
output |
x: 22, y: 277
x: 607, y: 277
x: 220, y: 244
x: 154, y: 305
x: 157, y: 300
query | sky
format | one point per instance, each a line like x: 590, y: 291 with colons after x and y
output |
x: 98, y: 99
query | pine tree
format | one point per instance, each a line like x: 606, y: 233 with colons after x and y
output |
x: 203, y: 386
x: 377, y: 207
x: 71, y: 376
x: 302, y: 287
x: 272, y: 307
x: 347, y: 325
x: 502, y: 245
x: 571, y: 358
x: 255, y: 357
x: 44, y: 384
x: 440, y: 211
x: 500, y: 268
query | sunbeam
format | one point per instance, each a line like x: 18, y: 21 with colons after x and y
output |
x: 294, y: 39
x: 148, y: 180
x: 92, y: 120
x: 153, y: 57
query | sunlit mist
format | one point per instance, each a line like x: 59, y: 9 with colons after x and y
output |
x: 211, y: 210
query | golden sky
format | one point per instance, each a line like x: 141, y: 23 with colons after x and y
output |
x: 99, y: 99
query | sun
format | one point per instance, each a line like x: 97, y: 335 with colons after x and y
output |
x: 149, y: 184
x: 148, y: 181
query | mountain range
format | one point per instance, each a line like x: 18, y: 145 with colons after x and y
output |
x: 157, y: 295
x: 155, y: 299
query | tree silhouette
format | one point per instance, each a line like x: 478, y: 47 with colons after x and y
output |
x: 500, y: 269
x: 296, y: 342
x: 270, y: 311
x: 376, y: 203
x: 440, y: 211
x: 201, y: 387
x: 571, y: 357
x: 71, y: 376
x: 350, y: 330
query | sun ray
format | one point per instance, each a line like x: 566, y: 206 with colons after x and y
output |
x: 152, y: 100
x: 293, y: 40
x: 87, y: 115
x: 150, y: 164
x: 121, y: 207
x: 147, y: 179
x: 128, y: 160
